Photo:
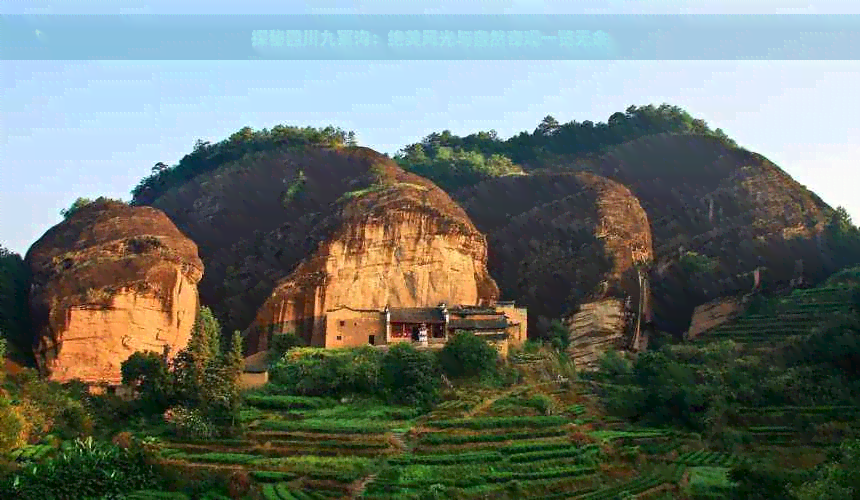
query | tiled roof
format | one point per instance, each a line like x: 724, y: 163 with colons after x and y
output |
x: 464, y: 310
x: 499, y: 323
x: 416, y: 315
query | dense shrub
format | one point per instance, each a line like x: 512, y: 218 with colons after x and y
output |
x: 281, y: 344
x: 409, y: 376
x: 10, y: 426
x: 149, y: 374
x: 89, y: 469
x: 47, y: 407
x: 327, y: 372
x: 467, y: 355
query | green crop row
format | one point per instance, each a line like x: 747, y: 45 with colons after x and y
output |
x: 534, y: 446
x: 575, y: 409
x: 499, y: 422
x: 216, y: 457
x: 282, y: 491
x: 277, y: 402
x: 270, y: 476
x: 325, y: 426
x: 477, y: 480
x: 571, y: 452
x: 554, y: 488
x: 343, y: 469
x: 707, y: 458
x: 331, y: 444
x: 459, y: 458
x: 612, y: 435
x: 632, y: 488
x: 436, y: 438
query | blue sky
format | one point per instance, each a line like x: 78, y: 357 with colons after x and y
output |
x: 95, y: 128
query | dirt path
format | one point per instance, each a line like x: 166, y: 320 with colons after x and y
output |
x: 362, y: 485
x: 489, y: 402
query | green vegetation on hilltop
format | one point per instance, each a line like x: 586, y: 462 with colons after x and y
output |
x: 207, y: 157
x: 454, y: 162
x: 448, y: 160
x: 82, y: 202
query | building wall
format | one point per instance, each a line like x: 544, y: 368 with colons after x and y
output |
x: 519, y: 315
x: 349, y: 328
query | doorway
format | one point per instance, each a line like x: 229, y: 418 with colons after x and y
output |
x: 371, y: 340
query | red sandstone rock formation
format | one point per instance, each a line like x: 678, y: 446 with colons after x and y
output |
x: 360, y: 232
x: 108, y: 281
x: 401, y: 243
x: 559, y: 240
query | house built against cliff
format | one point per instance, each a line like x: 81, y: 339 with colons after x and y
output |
x: 503, y: 325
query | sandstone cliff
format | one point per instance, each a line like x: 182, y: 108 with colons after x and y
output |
x: 560, y: 240
x: 360, y: 232
x: 108, y: 281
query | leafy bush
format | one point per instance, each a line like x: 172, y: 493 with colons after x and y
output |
x: 10, y: 426
x: 327, y: 372
x: 467, y: 355
x: 148, y: 372
x: 47, y: 407
x: 188, y: 423
x: 281, y: 344
x: 88, y: 469
x: 409, y: 376
x: 559, y: 336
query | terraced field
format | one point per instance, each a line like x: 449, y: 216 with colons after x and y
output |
x: 301, y: 447
x: 524, y: 442
x: 796, y: 314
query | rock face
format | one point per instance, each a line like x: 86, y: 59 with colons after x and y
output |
x: 401, y: 244
x: 713, y: 314
x: 728, y: 204
x: 561, y: 240
x: 360, y: 233
x: 597, y: 327
x: 108, y: 281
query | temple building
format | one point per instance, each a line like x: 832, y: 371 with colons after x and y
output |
x: 503, y: 325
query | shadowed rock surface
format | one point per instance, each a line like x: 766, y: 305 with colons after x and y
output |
x: 559, y: 240
x: 730, y: 205
x: 108, y: 281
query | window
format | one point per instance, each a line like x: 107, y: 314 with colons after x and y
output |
x: 339, y: 337
x: 343, y: 323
